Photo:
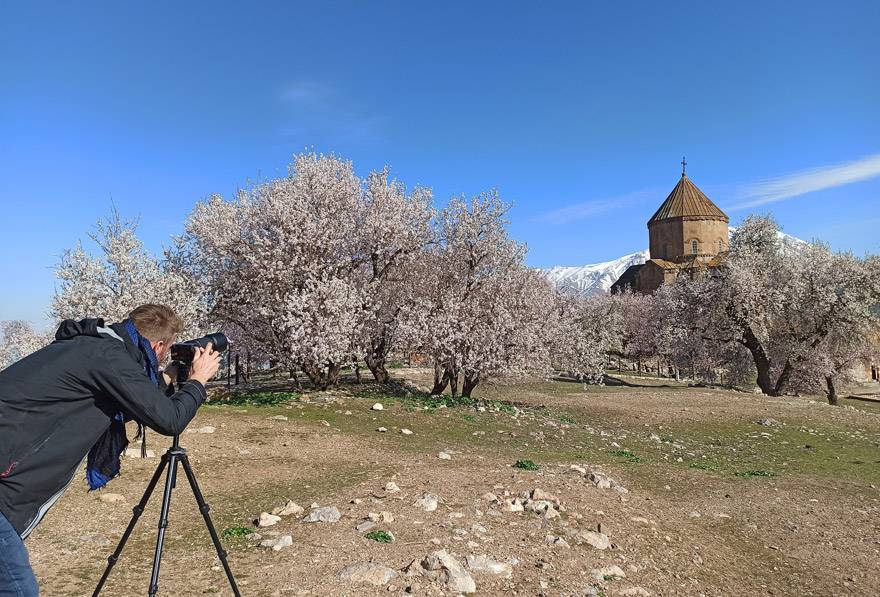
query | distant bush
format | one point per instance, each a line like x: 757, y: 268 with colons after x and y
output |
x: 526, y: 465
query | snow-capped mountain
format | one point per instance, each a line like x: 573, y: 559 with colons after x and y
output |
x: 587, y: 280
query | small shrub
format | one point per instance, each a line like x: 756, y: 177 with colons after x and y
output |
x: 526, y: 465
x: 755, y: 474
x: 630, y: 458
x: 236, y: 531
x: 567, y: 419
x: 380, y: 536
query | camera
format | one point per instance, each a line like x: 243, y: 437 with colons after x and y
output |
x: 185, y: 352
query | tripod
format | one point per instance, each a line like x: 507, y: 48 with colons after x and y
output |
x: 171, y: 458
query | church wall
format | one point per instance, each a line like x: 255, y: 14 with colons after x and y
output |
x: 666, y: 235
x: 707, y: 233
x: 649, y: 278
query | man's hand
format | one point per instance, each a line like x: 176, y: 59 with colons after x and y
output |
x: 205, y: 364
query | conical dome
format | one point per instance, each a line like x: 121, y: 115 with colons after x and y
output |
x: 687, y: 201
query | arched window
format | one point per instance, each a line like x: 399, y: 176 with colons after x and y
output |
x: 695, y: 248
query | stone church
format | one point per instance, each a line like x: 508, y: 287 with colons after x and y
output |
x: 687, y: 234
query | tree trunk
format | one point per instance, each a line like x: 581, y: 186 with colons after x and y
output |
x: 357, y: 374
x: 782, y: 382
x: 453, y: 381
x: 762, y: 362
x: 322, y: 377
x: 333, y: 374
x: 470, y: 382
x: 376, y: 363
x: 441, y: 379
x: 831, y: 391
x: 295, y: 379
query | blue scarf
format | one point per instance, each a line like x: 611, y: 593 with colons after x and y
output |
x: 102, y: 462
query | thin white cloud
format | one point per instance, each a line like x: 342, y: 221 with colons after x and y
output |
x: 594, y: 207
x: 807, y: 181
x: 303, y: 92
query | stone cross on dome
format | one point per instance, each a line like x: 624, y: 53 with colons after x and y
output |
x: 683, y: 164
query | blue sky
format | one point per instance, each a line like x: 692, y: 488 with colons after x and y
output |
x: 579, y: 112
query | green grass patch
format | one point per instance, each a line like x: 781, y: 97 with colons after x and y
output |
x: 236, y: 531
x: 756, y: 473
x: 526, y: 465
x: 380, y: 536
x: 704, y: 466
x: 629, y: 457
x: 258, y: 399
x: 566, y: 419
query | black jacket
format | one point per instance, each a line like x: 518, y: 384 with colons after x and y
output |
x: 56, y: 403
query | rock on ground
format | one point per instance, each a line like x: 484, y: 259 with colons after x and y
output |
x: 612, y: 571
x: 490, y: 566
x: 323, y: 514
x: 427, y: 502
x: 111, y: 498
x: 136, y: 453
x: 597, y: 540
x: 267, y: 520
x: 635, y: 592
x: 378, y: 406
x: 288, y: 509
x: 441, y: 566
x: 367, y: 572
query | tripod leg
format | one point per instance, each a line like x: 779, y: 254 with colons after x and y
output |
x: 173, y: 457
x: 204, y: 508
x: 136, y: 514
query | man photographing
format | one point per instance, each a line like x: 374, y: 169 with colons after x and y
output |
x: 69, y: 401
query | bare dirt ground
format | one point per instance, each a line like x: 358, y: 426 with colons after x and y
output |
x: 728, y: 494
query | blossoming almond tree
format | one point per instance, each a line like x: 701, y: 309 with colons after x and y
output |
x: 122, y: 276
x: 18, y: 339
x: 394, y: 230
x: 486, y: 311
x: 784, y: 304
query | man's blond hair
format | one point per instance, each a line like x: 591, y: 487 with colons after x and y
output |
x: 156, y: 322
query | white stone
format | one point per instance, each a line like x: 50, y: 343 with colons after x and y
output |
x: 612, y: 571
x: 391, y: 487
x: 323, y: 514
x: 267, y: 520
x: 288, y: 509
x: 427, y: 502
x: 369, y: 573
x: 282, y: 542
x: 444, y: 456
x: 111, y: 498
x: 443, y: 567
x: 406, y: 431
x: 597, y: 540
x: 378, y: 406
x: 634, y: 592
x: 480, y: 563
x: 381, y: 430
